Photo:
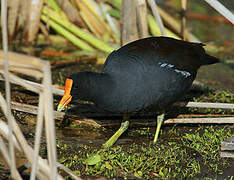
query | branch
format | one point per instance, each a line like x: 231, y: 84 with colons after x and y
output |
x: 222, y: 120
x: 210, y: 105
x: 32, y: 109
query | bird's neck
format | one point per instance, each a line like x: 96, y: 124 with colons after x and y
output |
x: 91, y: 85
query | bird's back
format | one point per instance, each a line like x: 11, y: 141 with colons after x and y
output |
x: 184, y: 55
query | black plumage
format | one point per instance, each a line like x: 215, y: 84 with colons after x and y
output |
x: 148, y: 72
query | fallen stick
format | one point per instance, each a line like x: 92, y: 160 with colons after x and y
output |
x: 228, y: 144
x: 32, y: 109
x: 210, y: 105
x: 205, y: 115
x: 222, y: 120
x: 227, y: 154
x: 32, y: 85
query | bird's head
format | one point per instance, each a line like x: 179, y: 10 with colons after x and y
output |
x: 82, y: 86
x: 66, y: 99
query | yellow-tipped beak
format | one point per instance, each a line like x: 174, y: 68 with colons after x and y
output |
x: 64, y: 102
x: 66, y: 97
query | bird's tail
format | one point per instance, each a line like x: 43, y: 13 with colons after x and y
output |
x: 207, y: 59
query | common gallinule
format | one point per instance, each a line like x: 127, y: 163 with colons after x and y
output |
x: 150, y: 72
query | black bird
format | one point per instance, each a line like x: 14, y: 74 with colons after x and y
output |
x: 150, y: 72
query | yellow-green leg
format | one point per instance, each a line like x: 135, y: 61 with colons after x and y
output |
x: 121, y: 130
x: 160, y: 119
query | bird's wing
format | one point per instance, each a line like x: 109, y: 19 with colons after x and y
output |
x: 183, y: 55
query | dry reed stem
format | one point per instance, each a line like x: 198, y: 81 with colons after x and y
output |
x: 222, y: 120
x: 32, y: 109
x: 94, y: 8
x: 5, y: 153
x: 175, y: 25
x: 6, y: 156
x: 88, y: 24
x: 49, y: 121
x: 37, y: 137
x: 16, y: 80
x: 4, y: 131
x: 129, y: 31
x: 210, y: 105
x: 67, y: 170
x: 32, y: 86
x: 183, y: 21
x: 157, y: 16
x: 3, y: 125
x: 7, y: 87
x: 91, y: 18
x: 113, y: 30
x: 23, y: 60
x: 25, y: 71
x: 44, y: 32
x: 28, y: 151
x: 22, y: 15
x: 70, y: 11
x: 33, y: 20
x: 205, y: 115
x: 13, y: 11
x: 221, y: 9
x: 142, y: 18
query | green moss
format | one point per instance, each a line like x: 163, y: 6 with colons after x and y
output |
x: 183, y: 155
x: 206, y: 142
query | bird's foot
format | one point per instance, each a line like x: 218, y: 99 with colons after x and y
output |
x: 114, y: 138
x: 160, y: 119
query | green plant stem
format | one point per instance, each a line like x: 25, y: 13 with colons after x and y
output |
x: 116, y: 3
x: 160, y: 120
x: 79, y: 32
x: 114, y: 13
x: 53, y: 4
x: 155, y: 31
x: 68, y: 35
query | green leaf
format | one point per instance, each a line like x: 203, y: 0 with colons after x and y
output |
x: 94, y: 159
